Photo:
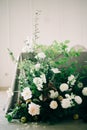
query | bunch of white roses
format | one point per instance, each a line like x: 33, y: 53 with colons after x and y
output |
x: 54, y: 95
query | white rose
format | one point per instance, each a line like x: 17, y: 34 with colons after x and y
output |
x: 40, y: 55
x: 64, y: 87
x: 37, y: 80
x: 33, y: 109
x: 71, y: 77
x: 56, y: 70
x: 27, y: 94
x: 53, y: 104
x: 53, y: 94
x: 78, y: 99
x: 84, y: 91
x: 65, y: 103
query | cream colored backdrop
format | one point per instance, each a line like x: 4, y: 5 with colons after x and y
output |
x: 58, y: 20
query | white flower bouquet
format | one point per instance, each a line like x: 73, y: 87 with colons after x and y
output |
x: 50, y: 87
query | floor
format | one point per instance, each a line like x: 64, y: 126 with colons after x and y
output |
x: 16, y: 125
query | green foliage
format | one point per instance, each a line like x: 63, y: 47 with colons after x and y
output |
x: 40, y: 80
x: 58, y: 53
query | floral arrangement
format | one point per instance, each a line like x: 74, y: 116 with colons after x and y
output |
x: 50, y: 87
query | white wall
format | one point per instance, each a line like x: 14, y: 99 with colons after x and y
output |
x: 15, y: 25
x: 58, y: 20
x: 62, y: 19
x: 4, y: 44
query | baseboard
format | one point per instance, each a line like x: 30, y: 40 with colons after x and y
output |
x: 3, y: 88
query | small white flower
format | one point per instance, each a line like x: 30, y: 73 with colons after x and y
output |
x: 53, y: 104
x: 9, y: 92
x: 84, y: 91
x: 43, y: 77
x: 71, y: 79
x: 37, y: 66
x: 78, y: 99
x: 64, y: 87
x: 66, y: 103
x: 38, y: 82
x: 56, y: 70
x: 27, y: 94
x: 70, y: 97
x: 40, y: 55
x: 53, y: 94
x: 67, y: 95
x: 73, y: 82
x: 33, y: 109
